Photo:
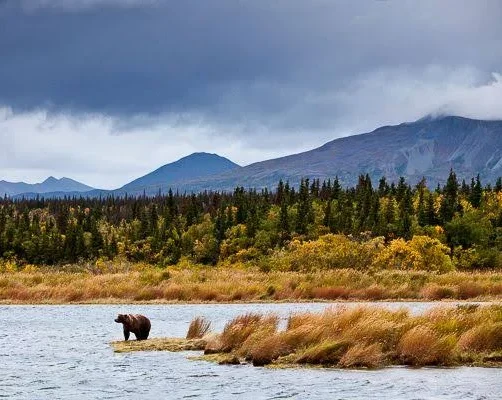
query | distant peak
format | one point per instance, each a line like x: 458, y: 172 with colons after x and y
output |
x: 202, y: 154
x: 438, y: 117
x: 204, y: 157
x: 50, y: 179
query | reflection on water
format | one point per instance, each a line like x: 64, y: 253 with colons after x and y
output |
x: 63, y: 352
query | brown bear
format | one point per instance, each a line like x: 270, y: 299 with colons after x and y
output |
x: 135, y: 323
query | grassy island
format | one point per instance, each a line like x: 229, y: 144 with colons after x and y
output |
x: 351, y: 337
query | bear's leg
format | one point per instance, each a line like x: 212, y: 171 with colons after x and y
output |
x: 126, y: 333
x: 142, y: 334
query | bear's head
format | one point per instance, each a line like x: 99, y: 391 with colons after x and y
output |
x: 122, y: 318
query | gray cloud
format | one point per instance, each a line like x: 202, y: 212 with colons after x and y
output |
x: 268, y: 77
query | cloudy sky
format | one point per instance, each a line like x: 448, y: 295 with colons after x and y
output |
x: 104, y: 91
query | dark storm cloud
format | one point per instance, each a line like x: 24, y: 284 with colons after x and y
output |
x: 82, y: 81
x: 228, y: 59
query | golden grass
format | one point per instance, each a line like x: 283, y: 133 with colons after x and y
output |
x: 357, y: 337
x: 194, y: 283
x: 198, y: 328
x: 369, y: 337
x: 242, y: 328
x: 421, y: 345
x: 362, y: 356
x: 159, y: 344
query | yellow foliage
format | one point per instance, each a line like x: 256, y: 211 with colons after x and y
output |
x: 420, y: 253
x: 329, y: 251
x: 9, y: 267
x: 30, y: 268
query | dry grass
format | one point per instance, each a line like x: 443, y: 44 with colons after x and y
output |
x: 159, y: 344
x: 368, y: 337
x: 423, y: 346
x: 193, y: 283
x: 362, y: 356
x: 327, y: 353
x: 198, y: 328
x: 356, y: 337
x: 485, y: 337
x: 242, y: 328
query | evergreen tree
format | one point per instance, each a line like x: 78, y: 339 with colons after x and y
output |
x: 284, y: 228
x: 476, y: 193
x: 449, y: 203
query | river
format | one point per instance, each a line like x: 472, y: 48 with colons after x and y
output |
x: 63, y: 352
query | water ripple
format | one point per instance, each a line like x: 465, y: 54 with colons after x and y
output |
x: 47, y: 354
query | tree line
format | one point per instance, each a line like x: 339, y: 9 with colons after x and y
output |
x: 212, y: 226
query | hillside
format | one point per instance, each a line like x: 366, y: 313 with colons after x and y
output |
x: 428, y: 148
x: 193, y: 167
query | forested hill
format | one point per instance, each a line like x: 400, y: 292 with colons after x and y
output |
x: 460, y: 221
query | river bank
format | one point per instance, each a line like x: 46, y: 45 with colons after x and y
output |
x: 229, y: 285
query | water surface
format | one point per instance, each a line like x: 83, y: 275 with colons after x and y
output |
x: 63, y: 352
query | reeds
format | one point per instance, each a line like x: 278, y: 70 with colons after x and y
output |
x: 199, y: 327
x: 367, y: 337
x: 235, y: 284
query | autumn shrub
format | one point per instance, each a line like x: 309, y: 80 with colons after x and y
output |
x: 419, y: 253
x: 328, y: 252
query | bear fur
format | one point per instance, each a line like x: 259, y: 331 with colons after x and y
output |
x: 135, y: 323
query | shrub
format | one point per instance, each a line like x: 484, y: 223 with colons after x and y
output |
x: 328, y: 252
x: 420, y: 253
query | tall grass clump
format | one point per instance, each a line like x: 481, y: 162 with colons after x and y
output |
x: 237, y: 331
x: 198, y: 328
x: 368, y: 337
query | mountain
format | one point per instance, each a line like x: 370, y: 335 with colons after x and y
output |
x: 50, y: 185
x: 193, y: 167
x: 428, y: 148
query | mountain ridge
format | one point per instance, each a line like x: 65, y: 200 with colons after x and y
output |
x: 49, y: 185
x: 428, y: 147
